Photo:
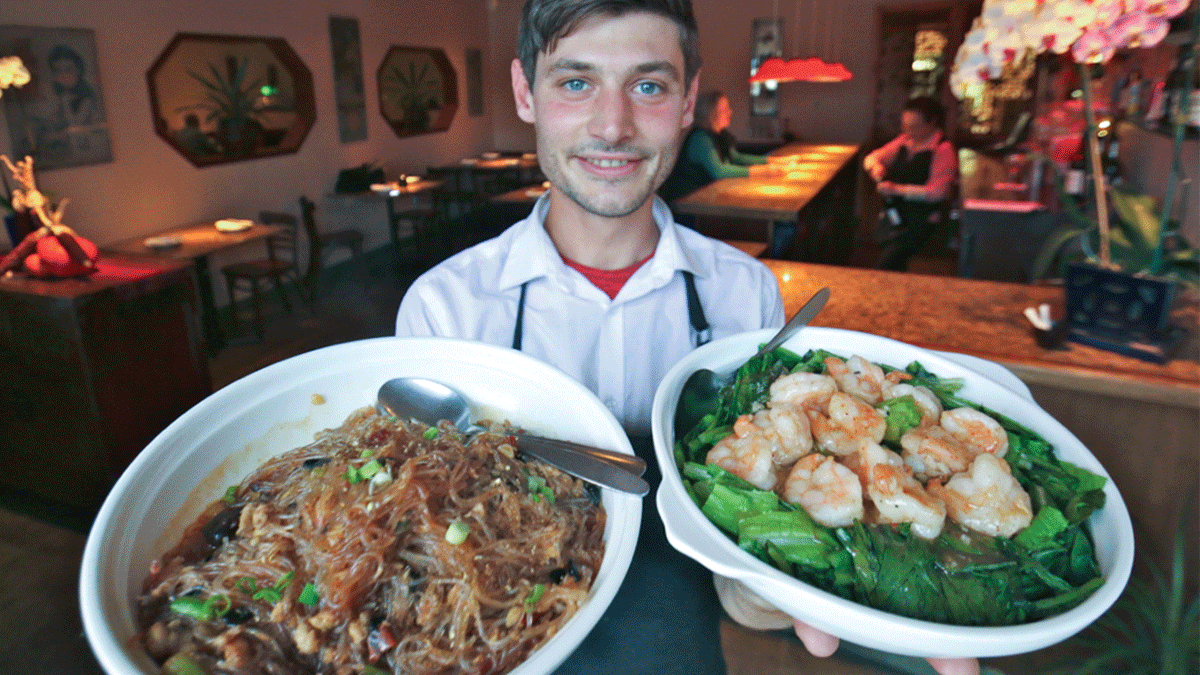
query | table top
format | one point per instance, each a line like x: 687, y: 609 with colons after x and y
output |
x: 776, y: 198
x: 132, y: 274
x: 196, y: 241
x: 985, y: 319
x: 413, y: 188
x: 522, y: 195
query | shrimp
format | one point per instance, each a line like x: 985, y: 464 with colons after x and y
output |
x: 857, y: 376
x: 828, y: 491
x: 763, y: 443
x: 926, y: 400
x: 849, y: 425
x: 986, y: 498
x: 932, y: 452
x: 895, y: 494
x: 977, y: 430
x: 807, y: 390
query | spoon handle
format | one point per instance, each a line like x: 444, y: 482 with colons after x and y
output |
x: 628, y: 462
x: 799, y: 320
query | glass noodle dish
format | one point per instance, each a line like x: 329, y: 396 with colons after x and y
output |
x: 382, y: 547
x: 882, y: 486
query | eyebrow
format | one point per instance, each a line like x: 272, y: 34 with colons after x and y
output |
x: 576, y: 66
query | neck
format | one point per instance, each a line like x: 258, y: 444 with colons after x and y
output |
x: 598, y: 241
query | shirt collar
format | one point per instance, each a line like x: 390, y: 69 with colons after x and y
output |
x: 532, y: 253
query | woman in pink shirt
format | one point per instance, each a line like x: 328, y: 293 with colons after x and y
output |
x: 913, y: 173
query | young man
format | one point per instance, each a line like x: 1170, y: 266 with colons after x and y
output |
x: 600, y: 282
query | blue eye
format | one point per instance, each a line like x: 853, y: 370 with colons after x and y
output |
x: 574, y: 85
x: 649, y: 88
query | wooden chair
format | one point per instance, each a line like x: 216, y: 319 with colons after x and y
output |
x: 320, y: 243
x: 279, y: 267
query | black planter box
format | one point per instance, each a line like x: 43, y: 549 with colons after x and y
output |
x: 1121, y: 312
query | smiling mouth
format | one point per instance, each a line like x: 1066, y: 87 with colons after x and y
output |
x: 608, y: 163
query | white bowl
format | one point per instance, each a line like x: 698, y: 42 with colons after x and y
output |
x: 693, y: 534
x: 279, y: 408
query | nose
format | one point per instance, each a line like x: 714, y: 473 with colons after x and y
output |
x: 612, y: 118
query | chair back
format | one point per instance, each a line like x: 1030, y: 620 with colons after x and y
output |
x: 281, y: 247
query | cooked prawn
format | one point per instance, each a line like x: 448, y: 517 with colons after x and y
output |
x: 986, y: 498
x: 900, y: 498
x: 857, y: 376
x: 808, y: 390
x: 849, y: 425
x: 977, y: 430
x: 763, y: 443
x: 828, y: 491
x: 933, y: 452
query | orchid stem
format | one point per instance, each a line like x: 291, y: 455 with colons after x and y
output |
x: 1101, y: 197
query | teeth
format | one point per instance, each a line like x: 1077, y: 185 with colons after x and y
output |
x: 609, y: 163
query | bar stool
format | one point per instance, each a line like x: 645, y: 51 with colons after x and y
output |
x: 278, y: 267
x: 320, y: 243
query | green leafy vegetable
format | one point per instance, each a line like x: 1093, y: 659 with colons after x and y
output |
x: 962, y: 577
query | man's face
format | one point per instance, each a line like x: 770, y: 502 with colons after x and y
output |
x: 609, y: 104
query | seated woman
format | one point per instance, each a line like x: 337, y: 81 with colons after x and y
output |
x: 914, y: 172
x: 709, y: 151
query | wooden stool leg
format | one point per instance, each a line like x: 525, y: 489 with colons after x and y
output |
x: 256, y: 296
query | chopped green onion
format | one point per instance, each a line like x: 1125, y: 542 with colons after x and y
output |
x: 185, y: 664
x: 201, y: 610
x: 370, y: 469
x: 353, y: 475
x: 366, y: 453
x: 247, y: 585
x: 372, y: 670
x: 537, y: 485
x: 430, y: 433
x: 230, y: 494
x: 309, y: 595
x: 268, y: 594
x: 535, y: 594
x: 457, y: 532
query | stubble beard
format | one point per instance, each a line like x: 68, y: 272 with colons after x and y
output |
x: 600, y: 202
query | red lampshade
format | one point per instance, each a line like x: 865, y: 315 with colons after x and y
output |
x: 800, y: 70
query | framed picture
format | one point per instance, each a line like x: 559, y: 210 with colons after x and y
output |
x: 59, y: 117
x: 348, y: 78
x: 474, y: 67
x: 766, y: 41
x: 418, y: 90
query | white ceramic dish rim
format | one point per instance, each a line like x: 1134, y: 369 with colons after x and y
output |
x: 109, y: 575
x: 693, y: 534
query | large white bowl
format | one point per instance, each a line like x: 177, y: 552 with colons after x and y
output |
x: 280, y: 407
x: 693, y: 534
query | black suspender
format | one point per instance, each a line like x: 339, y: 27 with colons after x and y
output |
x: 702, y: 332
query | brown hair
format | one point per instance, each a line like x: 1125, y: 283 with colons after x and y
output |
x: 544, y: 22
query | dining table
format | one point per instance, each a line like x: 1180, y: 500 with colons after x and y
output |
x: 777, y: 200
x: 196, y: 243
x: 403, y: 199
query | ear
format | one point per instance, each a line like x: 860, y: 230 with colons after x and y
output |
x: 522, y: 93
x: 689, y: 110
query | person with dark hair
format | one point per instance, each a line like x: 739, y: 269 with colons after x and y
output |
x: 710, y: 151
x: 600, y: 282
x: 914, y: 174
x: 77, y: 102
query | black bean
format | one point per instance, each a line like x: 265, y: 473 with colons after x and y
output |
x: 222, y: 526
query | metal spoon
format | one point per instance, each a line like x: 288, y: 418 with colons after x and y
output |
x: 430, y: 402
x: 699, y: 394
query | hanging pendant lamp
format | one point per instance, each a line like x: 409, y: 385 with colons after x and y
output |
x: 778, y: 70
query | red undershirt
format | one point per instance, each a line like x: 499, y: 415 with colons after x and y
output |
x: 609, y: 281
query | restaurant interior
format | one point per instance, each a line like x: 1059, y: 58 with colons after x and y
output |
x: 382, y: 138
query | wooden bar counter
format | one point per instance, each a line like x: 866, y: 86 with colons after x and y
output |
x: 1140, y: 419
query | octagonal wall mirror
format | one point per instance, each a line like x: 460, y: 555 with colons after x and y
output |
x: 226, y: 98
x: 418, y: 90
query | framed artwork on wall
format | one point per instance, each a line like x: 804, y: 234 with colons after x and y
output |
x: 418, y: 90
x: 766, y: 41
x: 228, y: 98
x: 474, y: 82
x: 58, y: 118
x: 348, y: 78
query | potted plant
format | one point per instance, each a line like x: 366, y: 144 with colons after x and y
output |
x: 1130, y: 257
x: 232, y: 101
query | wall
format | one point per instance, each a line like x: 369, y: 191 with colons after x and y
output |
x: 148, y: 186
x: 827, y: 112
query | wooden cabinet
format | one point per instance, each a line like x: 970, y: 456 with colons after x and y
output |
x: 91, y: 369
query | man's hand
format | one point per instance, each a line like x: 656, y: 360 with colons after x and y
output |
x: 875, y: 170
x: 822, y: 644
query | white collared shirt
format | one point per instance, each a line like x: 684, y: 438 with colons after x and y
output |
x: 619, y: 348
